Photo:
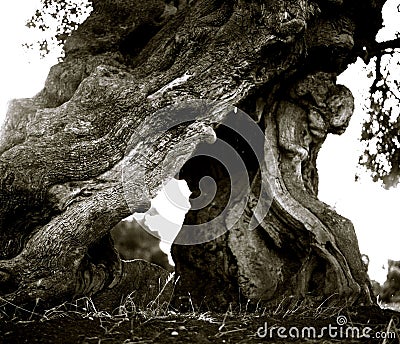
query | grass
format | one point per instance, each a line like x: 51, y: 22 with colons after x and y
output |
x: 81, y: 321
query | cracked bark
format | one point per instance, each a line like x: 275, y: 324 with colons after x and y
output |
x: 63, y: 152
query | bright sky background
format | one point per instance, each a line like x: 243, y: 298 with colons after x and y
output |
x: 372, y: 209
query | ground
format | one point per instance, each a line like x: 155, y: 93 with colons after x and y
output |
x: 82, y: 323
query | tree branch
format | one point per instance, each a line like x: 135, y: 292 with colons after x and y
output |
x: 378, y: 48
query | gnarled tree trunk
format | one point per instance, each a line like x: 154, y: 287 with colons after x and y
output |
x: 143, y: 86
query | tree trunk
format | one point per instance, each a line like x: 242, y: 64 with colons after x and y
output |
x: 143, y: 87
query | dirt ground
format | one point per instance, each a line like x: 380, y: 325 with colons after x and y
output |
x: 346, y: 326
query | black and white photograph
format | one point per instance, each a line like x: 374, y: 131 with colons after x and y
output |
x: 200, y: 171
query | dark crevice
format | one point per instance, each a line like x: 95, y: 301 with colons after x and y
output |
x: 136, y: 40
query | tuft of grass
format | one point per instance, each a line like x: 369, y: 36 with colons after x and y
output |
x: 154, y: 308
x: 17, y: 311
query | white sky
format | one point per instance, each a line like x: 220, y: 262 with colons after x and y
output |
x: 372, y: 209
x: 22, y: 72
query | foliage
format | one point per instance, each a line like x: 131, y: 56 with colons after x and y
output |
x: 381, y: 132
x: 57, y: 19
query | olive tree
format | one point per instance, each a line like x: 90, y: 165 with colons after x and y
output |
x: 151, y: 90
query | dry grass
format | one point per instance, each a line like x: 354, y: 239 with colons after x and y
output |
x: 82, y: 322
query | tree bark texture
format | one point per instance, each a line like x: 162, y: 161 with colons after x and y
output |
x: 65, y: 152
